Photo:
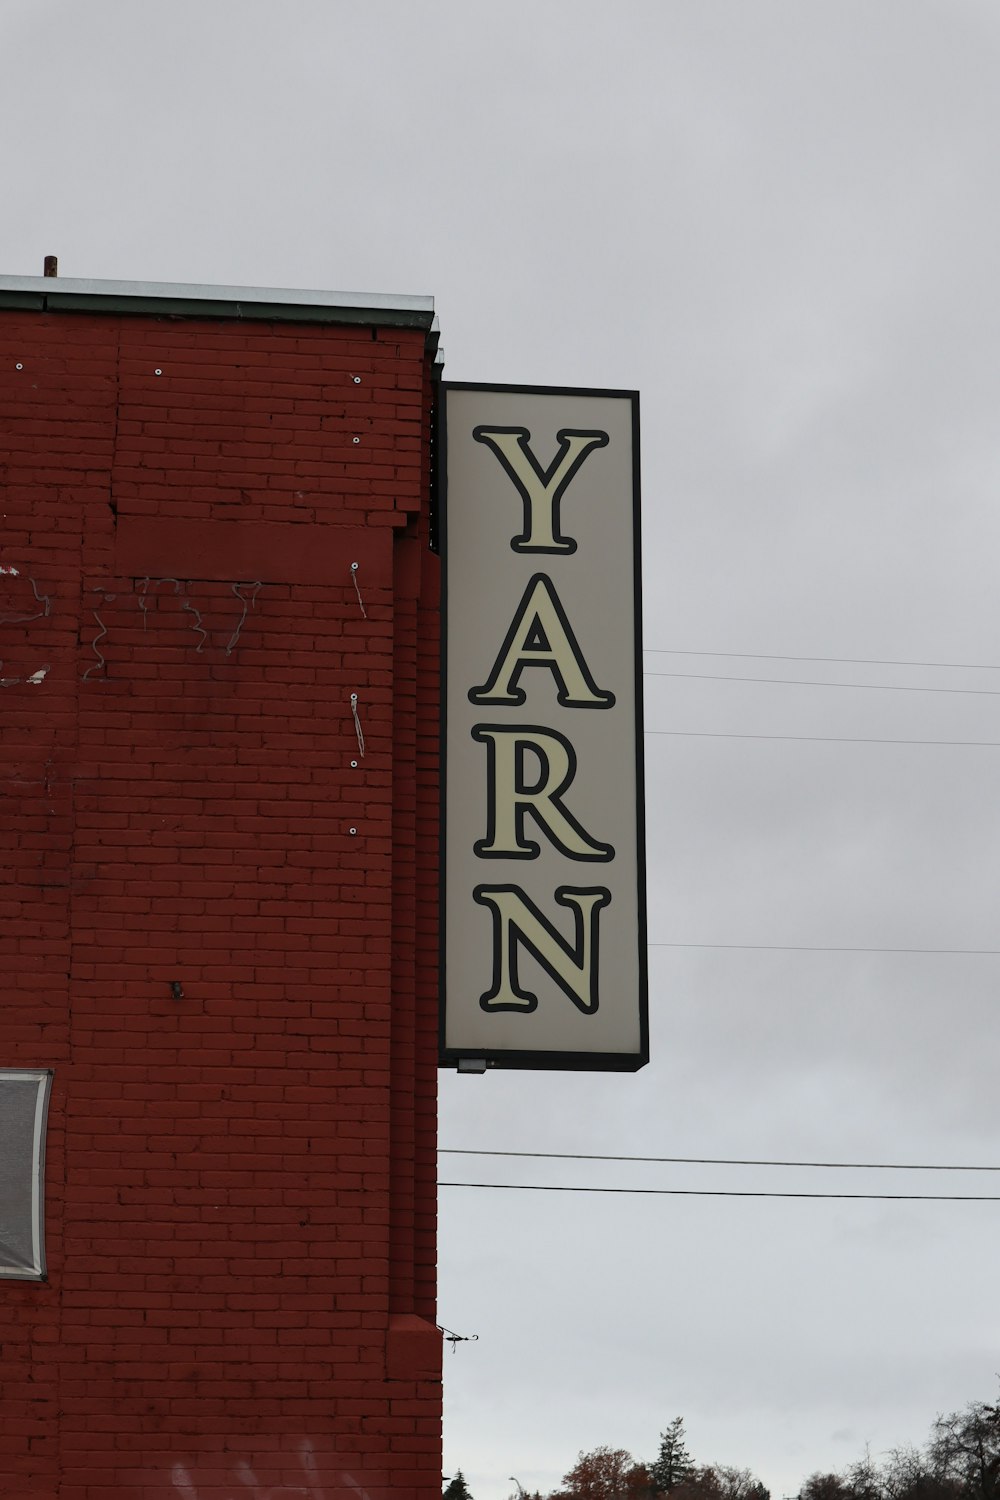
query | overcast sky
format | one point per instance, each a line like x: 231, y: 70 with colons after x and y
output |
x: 777, y: 219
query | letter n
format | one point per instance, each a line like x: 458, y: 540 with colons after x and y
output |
x: 575, y: 967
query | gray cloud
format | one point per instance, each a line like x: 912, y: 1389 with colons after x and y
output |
x: 779, y: 221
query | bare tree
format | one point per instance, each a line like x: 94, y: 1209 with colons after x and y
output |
x: 739, y: 1484
x: 965, y: 1450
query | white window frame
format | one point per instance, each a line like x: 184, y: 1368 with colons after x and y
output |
x: 42, y: 1080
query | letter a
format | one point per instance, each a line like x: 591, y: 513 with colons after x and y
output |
x: 516, y: 919
x: 540, y: 489
x: 541, y: 636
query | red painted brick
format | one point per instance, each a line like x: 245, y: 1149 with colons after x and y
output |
x: 240, y: 1181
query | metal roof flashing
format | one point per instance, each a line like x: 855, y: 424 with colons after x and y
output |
x: 180, y: 299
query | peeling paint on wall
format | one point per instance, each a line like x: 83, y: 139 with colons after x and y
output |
x: 305, y: 1483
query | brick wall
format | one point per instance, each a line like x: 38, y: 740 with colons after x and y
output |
x: 219, y: 916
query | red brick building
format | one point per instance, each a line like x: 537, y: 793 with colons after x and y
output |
x: 219, y: 773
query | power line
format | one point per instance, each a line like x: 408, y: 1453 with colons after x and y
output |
x: 872, y: 687
x: 854, y: 661
x: 827, y: 948
x: 537, y: 1187
x: 827, y: 739
x: 721, y: 1161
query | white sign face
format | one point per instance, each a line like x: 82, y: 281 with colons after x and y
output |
x: 543, y: 912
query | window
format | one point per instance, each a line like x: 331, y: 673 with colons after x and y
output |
x: 24, y: 1103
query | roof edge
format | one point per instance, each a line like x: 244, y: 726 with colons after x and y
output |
x: 180, y: 299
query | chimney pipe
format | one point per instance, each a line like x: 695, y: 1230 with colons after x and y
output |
x: 51, y: 266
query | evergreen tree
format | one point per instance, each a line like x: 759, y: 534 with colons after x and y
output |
x: 673, y: 1463
x: 457, y: 1489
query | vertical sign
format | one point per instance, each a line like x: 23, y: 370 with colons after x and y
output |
x: 543, y: 912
